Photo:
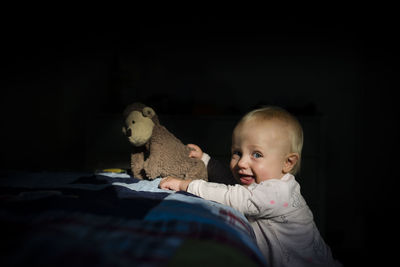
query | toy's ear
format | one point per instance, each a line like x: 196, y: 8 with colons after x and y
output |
x: 148, y: 112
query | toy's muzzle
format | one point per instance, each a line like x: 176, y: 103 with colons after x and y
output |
x: 128, y: 132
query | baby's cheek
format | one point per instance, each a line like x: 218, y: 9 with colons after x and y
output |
x: 263, y: 174
x: 232, y: 164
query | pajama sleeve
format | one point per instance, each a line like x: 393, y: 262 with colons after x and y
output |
x: 265, y: 200
x: 237, y: 197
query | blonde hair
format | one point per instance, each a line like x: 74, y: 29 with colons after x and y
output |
x: 295, y: 129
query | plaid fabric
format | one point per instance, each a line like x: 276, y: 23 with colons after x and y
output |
x: 91, y: 220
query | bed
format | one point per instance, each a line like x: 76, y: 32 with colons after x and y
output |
x: 113, y: 219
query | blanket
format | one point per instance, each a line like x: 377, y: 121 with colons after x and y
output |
x: 84, y: 219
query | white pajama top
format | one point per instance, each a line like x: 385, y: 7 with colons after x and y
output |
x: 283, y: 223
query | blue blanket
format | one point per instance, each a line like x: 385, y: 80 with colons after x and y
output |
x: 83, y: 219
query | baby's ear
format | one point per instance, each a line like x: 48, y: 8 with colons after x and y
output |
x: 290, y: 162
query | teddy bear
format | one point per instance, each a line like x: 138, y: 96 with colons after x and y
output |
x: 156, y: 152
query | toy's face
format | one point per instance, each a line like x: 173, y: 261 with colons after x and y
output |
x: 138, y: 128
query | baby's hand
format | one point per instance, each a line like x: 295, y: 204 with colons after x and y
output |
x: 174, y: 183
x: 195, y: 152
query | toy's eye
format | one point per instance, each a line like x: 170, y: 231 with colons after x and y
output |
x: 133, y: 122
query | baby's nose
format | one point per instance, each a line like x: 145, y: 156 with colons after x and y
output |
x: 243, y: 163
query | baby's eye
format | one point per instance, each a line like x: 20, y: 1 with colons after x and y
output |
x: 257, y: 155
x: 236, y: 153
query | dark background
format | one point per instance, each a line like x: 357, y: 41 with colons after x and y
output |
x: 67, y: 80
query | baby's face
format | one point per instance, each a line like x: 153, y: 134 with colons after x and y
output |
x: 259, y: 150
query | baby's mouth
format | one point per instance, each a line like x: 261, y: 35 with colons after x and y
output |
x: 246, y: 179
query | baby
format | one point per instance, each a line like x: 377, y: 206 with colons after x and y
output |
x: 266, y: 154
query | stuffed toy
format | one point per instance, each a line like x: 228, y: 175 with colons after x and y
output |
x: 155, y: 151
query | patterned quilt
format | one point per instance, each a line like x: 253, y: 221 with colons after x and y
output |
x: 84, y: 219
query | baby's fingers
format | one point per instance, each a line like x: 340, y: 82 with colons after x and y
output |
x: 169, y: 183
x: 193, y: 147
x: 195, y: 151
x: 164, y: 183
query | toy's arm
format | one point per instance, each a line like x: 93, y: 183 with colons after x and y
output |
x: 137, y: 163
x: 152, y: 168
x: 154, y: 163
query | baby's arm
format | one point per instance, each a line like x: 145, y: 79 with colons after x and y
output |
x: 235, y: 196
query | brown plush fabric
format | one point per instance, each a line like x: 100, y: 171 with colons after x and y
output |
x: 165, y: 155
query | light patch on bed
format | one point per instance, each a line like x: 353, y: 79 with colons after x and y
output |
x: 114, y: 174
x: 144, y: 185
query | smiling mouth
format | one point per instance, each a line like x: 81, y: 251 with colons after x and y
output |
x: 246, y: 180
